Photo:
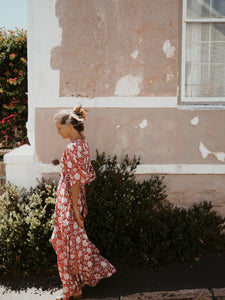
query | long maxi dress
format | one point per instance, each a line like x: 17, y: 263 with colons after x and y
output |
x: 79, y: 261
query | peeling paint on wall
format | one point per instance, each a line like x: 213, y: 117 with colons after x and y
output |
x: 220, y: 155
x: 168, y: 49
x: 143, y: 124
x: 169, y: 74
x: 195, y: 121
x: 205, y: 152
x: 128, y: 86
x: 102, y: 41
x: 135, y: 54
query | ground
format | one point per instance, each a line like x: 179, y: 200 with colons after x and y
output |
x: 208, y: 273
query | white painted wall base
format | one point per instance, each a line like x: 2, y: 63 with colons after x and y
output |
x: 20, y: 167
x: 23, y: 168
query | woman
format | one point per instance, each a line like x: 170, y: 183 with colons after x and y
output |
x: 79, y: 261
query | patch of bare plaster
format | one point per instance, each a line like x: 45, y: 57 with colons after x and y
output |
x: 205, y: 152
x: 168, y: 49
x: 195, y: 121
x: 140, y: 40
x: 169, y: 74
x: 134, y: 54
x: 128, y: 86
x: 143, y: 124
x: 101, y: 15
x: 220, y: 155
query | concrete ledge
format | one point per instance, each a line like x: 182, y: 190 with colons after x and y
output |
x: 195, y: 294
x: 21, y: 155
x: 20, y: 167
x: 219, y: 294
x: 201, y: 294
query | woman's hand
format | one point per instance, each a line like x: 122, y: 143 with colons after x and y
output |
x: 78, y: 217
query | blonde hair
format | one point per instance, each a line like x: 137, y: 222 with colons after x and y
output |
x: 74, y: 117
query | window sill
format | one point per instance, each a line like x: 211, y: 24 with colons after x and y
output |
x: 201, y: 106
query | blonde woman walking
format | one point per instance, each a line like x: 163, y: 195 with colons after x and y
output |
x: 79, y: 261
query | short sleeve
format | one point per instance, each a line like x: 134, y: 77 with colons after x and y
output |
x: 78, y: 168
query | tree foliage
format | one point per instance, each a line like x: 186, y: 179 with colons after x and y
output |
x: 13, y: 88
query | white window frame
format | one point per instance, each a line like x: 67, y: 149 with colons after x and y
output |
x: 185, y: 20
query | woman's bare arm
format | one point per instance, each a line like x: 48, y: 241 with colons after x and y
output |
x: 75, y: 195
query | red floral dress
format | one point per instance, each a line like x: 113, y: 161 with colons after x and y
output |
x: 79, y: 261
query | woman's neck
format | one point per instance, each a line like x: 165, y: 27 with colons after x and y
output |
x: 76, y: 136
x: 73, y: 134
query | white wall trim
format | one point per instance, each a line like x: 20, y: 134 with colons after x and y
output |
x: 201, y: 107
x: 113, y: 102
x: 208, y: 100
x: 181, y: 169
x: 155, y: 169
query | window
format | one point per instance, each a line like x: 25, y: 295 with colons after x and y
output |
x: 203, y: 51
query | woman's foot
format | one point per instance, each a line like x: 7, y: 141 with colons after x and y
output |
x: 59, y: 297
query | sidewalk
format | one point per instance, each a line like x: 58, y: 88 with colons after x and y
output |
x: 198, y: 294
x: 200, y: 280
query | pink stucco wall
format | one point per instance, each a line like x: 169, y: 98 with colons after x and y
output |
x: 104, y: 42
x: 132, y: 48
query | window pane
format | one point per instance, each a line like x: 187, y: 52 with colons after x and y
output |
x: 195, y: 32
x: 217, y: 52
x: 199, y: 91
x: 218, y: 31
x: 200, y: 75
x: 197, y: 52
x: 205, y: 8
x: 196, y: 9
x: 217, y: 75
x: 217, y: 8
x: 217, y: 91
x: 205, y: 60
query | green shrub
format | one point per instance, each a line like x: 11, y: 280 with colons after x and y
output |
x: 132, y: 221
x: 128, y: 221
x: 26, y: 223
x: 13, y: 88
x: 116, y: 202
x: 178, y: 235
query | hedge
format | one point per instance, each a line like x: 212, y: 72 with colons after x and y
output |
x: 128, y: 221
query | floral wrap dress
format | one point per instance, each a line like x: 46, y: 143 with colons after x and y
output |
x: 79, y: 261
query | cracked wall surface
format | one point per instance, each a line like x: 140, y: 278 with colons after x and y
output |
x: 117, y: 48
x: 160, y: 136
x: 125, y: 50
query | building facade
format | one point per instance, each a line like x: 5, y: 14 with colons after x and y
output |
x: 151, y: 74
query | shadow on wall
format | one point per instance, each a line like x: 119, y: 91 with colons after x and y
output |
x: 115, y: 48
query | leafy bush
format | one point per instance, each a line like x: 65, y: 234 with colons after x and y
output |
x: 116, y: 202
x: 26, y: 223
x: 174, y: 234
x: 13, y: 88
x: 132, y: 221
x: 127, y: 220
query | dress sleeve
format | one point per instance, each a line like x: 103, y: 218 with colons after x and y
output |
x: 78, y: 168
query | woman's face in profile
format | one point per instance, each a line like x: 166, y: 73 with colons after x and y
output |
x: 62, y: 130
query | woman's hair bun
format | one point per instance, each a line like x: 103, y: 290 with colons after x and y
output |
x: 80, y: 112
